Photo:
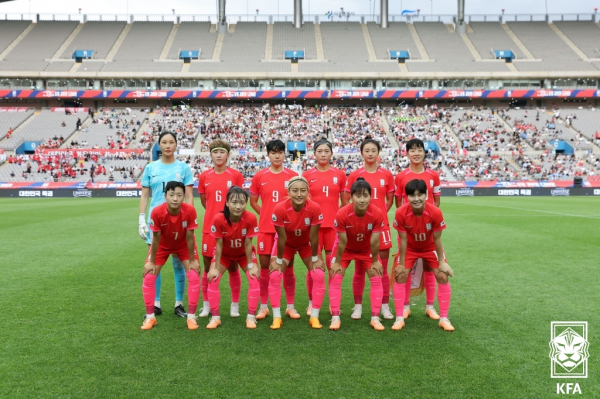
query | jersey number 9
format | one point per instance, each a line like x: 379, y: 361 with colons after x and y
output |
x: 275, y: 196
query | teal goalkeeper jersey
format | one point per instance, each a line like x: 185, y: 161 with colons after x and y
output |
x: 156, y: 176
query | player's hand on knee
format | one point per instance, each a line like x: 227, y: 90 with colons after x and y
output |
x: 195, y: 266
x: 334, y: 269
x: 445, y: 268
x: 377, y: 269
x: 318, y: 265
x: 275, y: 267
x: 149, y: 267
x: 212, y: 275
x: 400, y: 274
x: 253, y: 271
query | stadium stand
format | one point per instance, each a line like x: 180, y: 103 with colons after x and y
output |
x: 10, y: 31
x: 585, y: 122
x: 488, y: 36
x: 12, y: 120
x: 60, y: 66
x: 286, y: 37
x: 350, y: 126
x: 194, y: 36
x: 97, y: 36
x: 186, y: 123
x: 242, y: 127
x: 337, y: 36
x: 296, y: 123
x: 395, y: 37
x: 585, y: 35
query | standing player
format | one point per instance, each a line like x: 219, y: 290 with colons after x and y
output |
x: 358, y: 226
x: 420, y: 226
x: 233, y: 230
x: 326, y: 187
x: 297, y: 221
x: 213, y: 185
x: 416, y: 154
x: 382, y: 187
x: 270, y: 185
x: 154, y: 180
x: 172, y: 224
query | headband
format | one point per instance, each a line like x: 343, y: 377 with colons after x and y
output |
x: 321, y: 142
x: 219, y: 148
x: 297, y: 178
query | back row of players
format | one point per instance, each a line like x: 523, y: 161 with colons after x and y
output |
x: 298, y: 215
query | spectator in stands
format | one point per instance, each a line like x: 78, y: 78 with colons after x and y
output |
x: 78, y: 123
x: 63, y: 124
x: 10, y: 132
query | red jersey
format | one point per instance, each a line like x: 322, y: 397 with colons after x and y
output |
x: 215, y: 187
x: 358, y: 229
x: 173, y: 228
x: 382, y: 183
x: 325, y: 189
x: 297, y: 224
x: 235, y: 235
x: 272, y: 189
x: 419, y: 229
x: 430, y: 177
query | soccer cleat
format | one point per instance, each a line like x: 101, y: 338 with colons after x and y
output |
x: 405, y: 313
x: 277, y: 322
x: 204, y: 312
x: 262, y: 313
x: 251, y: 322
x: 376, y: 324
x: 192, y: 324
x: 180, y: 311
x: 309, y: 310
x: 431, y: 313
x: 356, y: 313
x: 157, y: 310
x: 314, y: 323
x: 292, y: 313
x: 149, y: 323
x: 445, y: 324
x: 385, y: 312
x: 214, y: 323
x: 335, y: 323
x: 234, y: 310
x: 398, y: 325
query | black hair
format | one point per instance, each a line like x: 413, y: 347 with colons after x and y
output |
x: 360, y: 186
x: 415, y: 185
x: 415, y: 143
x: 163, y: 134
x: 275, y: 146
x: 233, y: 191
x: 172, y: 185
x: 370, y: 140
x: 322, y: 141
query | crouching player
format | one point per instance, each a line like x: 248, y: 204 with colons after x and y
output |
x: 359, y: 226
x: 172, y: 225
x: 233, y: 230
x: 420, y: 226
x: 297, y: 221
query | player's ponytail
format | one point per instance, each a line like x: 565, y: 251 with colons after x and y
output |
x: 233, y: 191
x: 360, y: 186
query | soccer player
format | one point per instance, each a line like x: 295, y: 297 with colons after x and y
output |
x: 172, y: 224
x: 416, y: 154
x: 213, y: 185
x: 359, y: 226
x: 154, y: 180
x: 420, y: 226
x: 297, y: 221
x: 270, y: 185
x: 326, y: 188
x: 382, y: 188
x: 233, y: 230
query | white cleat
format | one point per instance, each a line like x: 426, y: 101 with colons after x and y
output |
x: 204, y: 312
x: 234, y: 311
x: 386, y: 314
x: 356, y: 312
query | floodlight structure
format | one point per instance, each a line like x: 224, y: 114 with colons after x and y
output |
x: 384, y: 14
x: 222, y: 22
x: 461, y: 25
x: 298, y: 14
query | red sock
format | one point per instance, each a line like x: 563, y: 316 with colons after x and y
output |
x: 429, y: 283
x: 309, y: 285
x: 407, y: 290
x: 204, y: 287
x: 253, y: 294
x: 193, y: 291
x: 235, y: 283
x: 385, y: 279
x: 376, y: 295
x: 358, y: 284
x: 399, y: 298
x: 214, y: 296
x: 328, y: 259
x: 319, y: 288
x: 289, y: 283
x: 335, y: 294
x: 149, y: 292
x: 444, y: 294
x: 275, y: 289
x: 264, y: 286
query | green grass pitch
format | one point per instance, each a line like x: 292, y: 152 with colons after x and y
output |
x: 71, y: 303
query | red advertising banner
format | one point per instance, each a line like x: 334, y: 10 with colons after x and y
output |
x: 72, y: 110
x: 14, y: 109
x: 78, y: 152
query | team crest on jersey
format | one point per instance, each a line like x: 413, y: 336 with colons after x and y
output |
x: 177, y: 176
x: 431, y: 182
x: 184, y: 224
x: 428, y: 226
x: 243, y: 232
x: 335, y: 180
x: 151, y: 222
x: 307, y: 221
x: 443, y: 223
x: 286, y: 184
x: 228, y: 183
x: 370, y: 226
x: 321, y: 217
x: 213, y: 229
x: 335, y: 222
x: 274, y: 218
x: 382, y: 182
x: 256, y: 229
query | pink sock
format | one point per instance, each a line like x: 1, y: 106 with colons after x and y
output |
x: 149, y: 292
x: 318, y: 276
x: 335, y: 294
x: 253, y: 294
x: 376, y: 295
x: 264, y: 286
x: 444, y: 294
x: 429, y: 283
x: 309, y: 285
x: 193, y: 291
x: 235, y: 283
x: 275, y: 289
x: 214, y: 296
x: 289, y: 283
x: 407, y: 289
x: 399, y: 293
x: 358, y: 284
x: 385, y: 279
x: 204, y: 287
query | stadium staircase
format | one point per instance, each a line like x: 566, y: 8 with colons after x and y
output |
x: 85, y: 123
x: 386, y: 126
x: 569, y: 43
x: 453, y: 133
x: 269, y: 46
x: 369, y: 43
x: 471, y: 47
x: 518, y: 42
x: 21, y: 125
x: 169, y: 42
x: 510, y: 129
x: 418, y: 42
x: 67, y: 43
x: 115, y: 48
x: 218, y: 47
x: 16, y: 41
x: 319, y: 43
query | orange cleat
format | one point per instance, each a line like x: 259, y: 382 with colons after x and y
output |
x: 376, y: 324
x: 431, y: 313
x: 309, y: 311
x: 277, y: 322
x: 192, y: 324
x: 405, y: 313
x: 214, y: 323
x: 149, y: 323
x: 335, y: 323
x: 445, y: 324
x: 262, y: 313
x: 251, y: 322
x: 398, y: 325
x: 292, y: 314
x: 314, y: 323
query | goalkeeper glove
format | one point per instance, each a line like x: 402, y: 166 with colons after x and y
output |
x: 143, y: 228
